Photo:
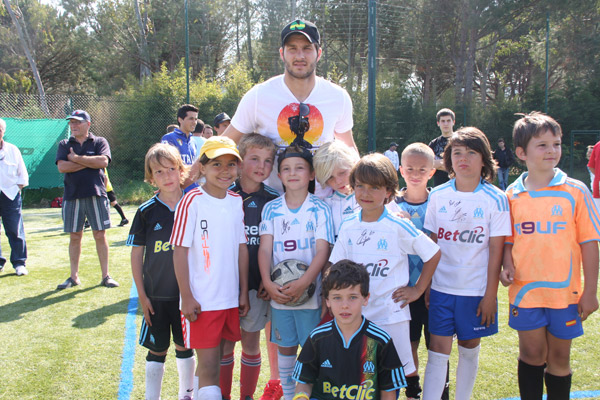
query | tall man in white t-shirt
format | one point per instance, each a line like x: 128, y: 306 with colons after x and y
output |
x: 297, y: 107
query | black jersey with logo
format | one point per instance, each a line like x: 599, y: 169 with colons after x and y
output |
x: 253, y: 206
x: 357, y: 370
x: 438, y: 145
x: 151, y: 227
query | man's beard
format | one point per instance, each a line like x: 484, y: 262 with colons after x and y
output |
x: 309, y: 72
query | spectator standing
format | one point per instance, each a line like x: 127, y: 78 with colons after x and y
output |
x: 392, y: 154
x: 445, y: 120
x: 207, y: 132
x: 13, y: 178
x: 505, y: 158
x: 221, y: 122
x: 82, y: 158
x: 198, y: 134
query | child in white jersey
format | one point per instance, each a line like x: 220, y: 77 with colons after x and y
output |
x: 469, y: 218
x: 381, y: 241
x: 211, y: 263
x: 333, y: 163
x: 296, y: 225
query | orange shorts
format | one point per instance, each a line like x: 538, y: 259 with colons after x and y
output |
x: 210, y: 328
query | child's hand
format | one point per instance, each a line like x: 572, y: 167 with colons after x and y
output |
x: 587, y: 305
x: 262, y: 293
x: 190, y: 308
x: 275, y: 293
x: 295, y: 289
x: 487, y: 310
x: 147, y: 309
x: 407, y: 294
x: 244, y: 306
x: 507, y: 275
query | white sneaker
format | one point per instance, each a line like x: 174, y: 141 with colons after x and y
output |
x: 21, y: 270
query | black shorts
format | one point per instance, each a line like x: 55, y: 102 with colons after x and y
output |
x: 419, y: 320
x: 111, y: 196
x: 166, y: 320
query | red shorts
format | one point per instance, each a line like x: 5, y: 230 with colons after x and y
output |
x: 210, y: 328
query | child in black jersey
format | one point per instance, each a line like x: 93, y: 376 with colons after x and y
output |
x: 153, y: 272
x: 327, y: 368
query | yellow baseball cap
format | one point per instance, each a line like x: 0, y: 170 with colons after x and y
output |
x: 217, y: 146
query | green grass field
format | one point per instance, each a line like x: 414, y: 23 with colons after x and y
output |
x: 70, y: 344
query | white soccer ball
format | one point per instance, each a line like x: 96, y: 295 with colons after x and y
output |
x: 288, y: 271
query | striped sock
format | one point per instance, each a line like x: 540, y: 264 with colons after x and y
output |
x: 250, y: 370
x: 286, y: 367
x: 226, y: 375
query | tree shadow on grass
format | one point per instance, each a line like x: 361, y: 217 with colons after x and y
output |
x: 15, y: 310
x: 94, y: 318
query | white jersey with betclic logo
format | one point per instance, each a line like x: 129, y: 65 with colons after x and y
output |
x: 295, y: 234
x: 382, y: 246
x: 464, y: 223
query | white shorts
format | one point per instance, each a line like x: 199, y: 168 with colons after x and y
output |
x: 259, y: 314
x: 400, y: 333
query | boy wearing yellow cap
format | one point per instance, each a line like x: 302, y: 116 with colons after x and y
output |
x: 211, y: 262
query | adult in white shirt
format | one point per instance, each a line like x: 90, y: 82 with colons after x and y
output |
x: 296, y: 107
x: 392, y: 154
x: 13, y: 178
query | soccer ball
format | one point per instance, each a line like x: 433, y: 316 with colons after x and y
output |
x: 288, y: 271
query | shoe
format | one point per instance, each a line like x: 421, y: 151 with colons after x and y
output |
x: 273, y: 390
x: 109, y: 282
x: 124, y: 222
x: 21, y: 270
x: 67, y: 284
x: 1, y: 268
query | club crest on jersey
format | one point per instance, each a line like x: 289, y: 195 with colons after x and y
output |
x: 443, y: 210
x: 557, y: 211
x: 179, y: 142
x: 369, y: 367
x: 382, y: 244
x: 263, y: 226
x: 310, y: 227
x: 157, y: 227
x: 478, y: 213
x: 252, y: 205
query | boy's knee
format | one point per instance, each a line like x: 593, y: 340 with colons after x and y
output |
x: 156, y: 357
x: 187, y: 353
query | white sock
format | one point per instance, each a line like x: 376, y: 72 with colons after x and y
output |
x: 435, y: 375
x: 154, y: 376
x: 196, y: 383
x: 286, y: 367
x: 186, y: 368
x: 466, y: 372
x: 209, y: 393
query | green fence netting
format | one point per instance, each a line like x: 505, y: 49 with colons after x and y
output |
x: 38, y: 140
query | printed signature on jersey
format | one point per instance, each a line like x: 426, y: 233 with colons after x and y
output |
x: 459, y: 215
x: 285, y: 227
x: 364, y: 237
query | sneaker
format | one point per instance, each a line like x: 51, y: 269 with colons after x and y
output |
x: 273, y: 390
x: 124, y: 222
x: 21, y: 270
x: 67, y: 284
x: 109, y: 282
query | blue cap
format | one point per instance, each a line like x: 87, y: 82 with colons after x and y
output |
x: 80, y: 115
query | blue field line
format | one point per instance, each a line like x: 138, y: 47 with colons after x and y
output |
x: 126, y: 384
x: 584, y: 394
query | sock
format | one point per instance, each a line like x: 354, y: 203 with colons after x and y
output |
x: 531, y: 381
x: 435, y: 374
x: 286, y: 367
x: 154, y: 376
x: 250, y: 370
x: 413, y: 388
x: 558, y: 387
x: 119, y: 210
x: 466, y: 372
x: 186, y: 367
x: 226, y: 375
x: 196, y: 388
x: 209, y: 393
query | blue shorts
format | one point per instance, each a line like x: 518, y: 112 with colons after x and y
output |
x: 290, y: 328
x: 563, y: 323
x: 450, y: 314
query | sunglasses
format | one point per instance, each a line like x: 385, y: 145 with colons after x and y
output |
x: 303, y: 113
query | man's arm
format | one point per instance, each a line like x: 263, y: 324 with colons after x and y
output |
x: 68, y: 166
x: 347, y: 138
x: 94, y: 162
x: 233, y: 134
